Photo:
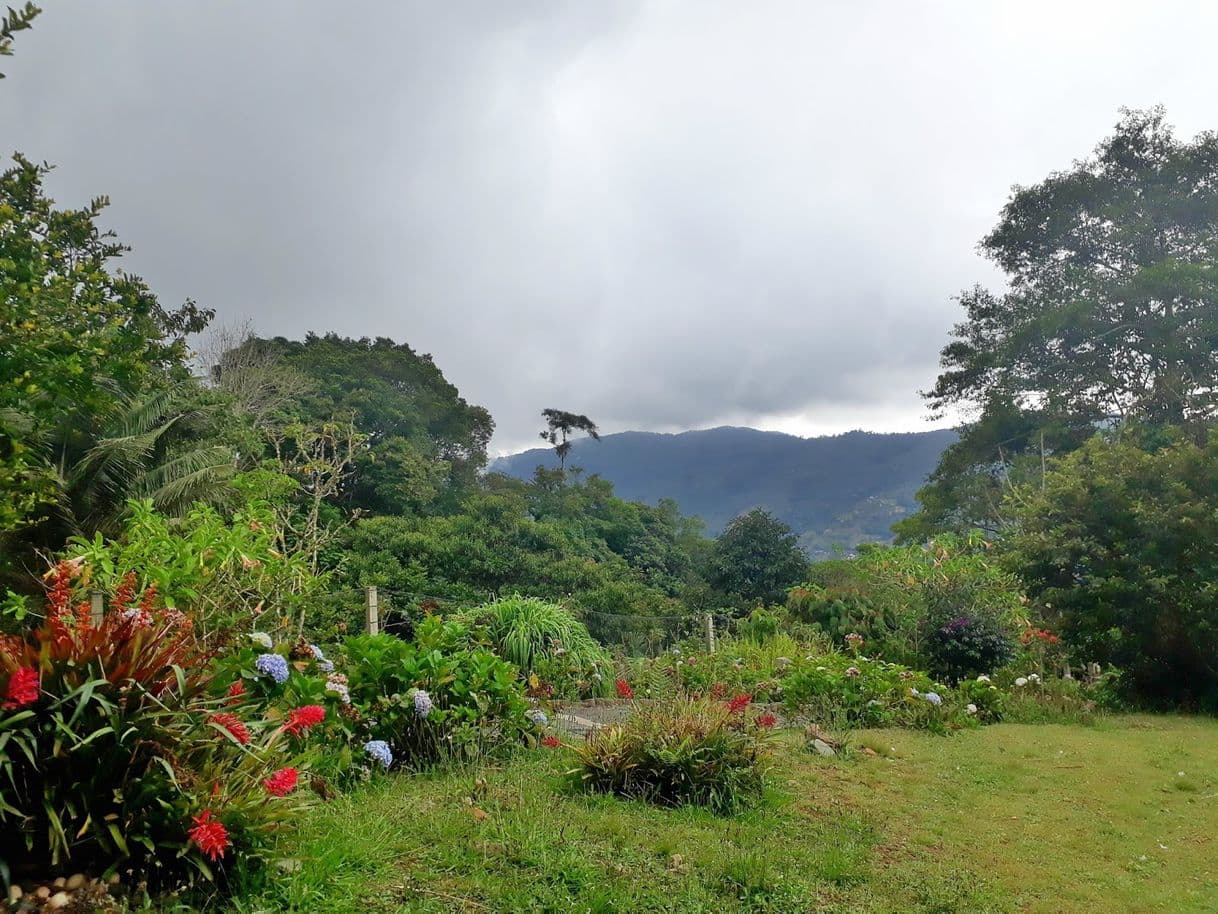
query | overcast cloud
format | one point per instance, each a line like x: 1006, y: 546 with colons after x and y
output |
x: 666, y: 215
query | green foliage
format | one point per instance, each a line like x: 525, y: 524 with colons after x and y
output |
x: 106, y: 761
x: 756, y: 559
x: 895, y: 597
x: 228, y: 570
x: 871, y: 693
x: 675, y: 753
x: 525, y: 630
x: 1119, y: 542
x: 17, y: 20
x: 560, y: 424
x: 968, y: 645
x: 73, y: 333
x: 1110, y: 316
x: 476, y: 698
x: 425, y: 444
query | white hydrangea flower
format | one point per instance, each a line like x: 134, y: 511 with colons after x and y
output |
x: 1021, y: 681
x: 262, y: 639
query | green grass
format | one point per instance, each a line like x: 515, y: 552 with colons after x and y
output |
x: 1039, y: 818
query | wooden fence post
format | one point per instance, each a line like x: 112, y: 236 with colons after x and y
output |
x: 710, y: 633
x: 97, y: 607
x: 372, y: 612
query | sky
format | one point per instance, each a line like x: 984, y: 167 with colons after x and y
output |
x: 665, y: 215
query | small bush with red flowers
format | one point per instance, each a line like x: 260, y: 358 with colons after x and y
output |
x: 680, y: 752
x: 113, y: 751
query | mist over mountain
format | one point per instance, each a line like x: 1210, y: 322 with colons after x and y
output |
x: 834, y: 491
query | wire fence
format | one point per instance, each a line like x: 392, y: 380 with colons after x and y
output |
x: 395, y: 612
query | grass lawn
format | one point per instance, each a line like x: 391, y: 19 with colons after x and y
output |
x: 1118, y: 816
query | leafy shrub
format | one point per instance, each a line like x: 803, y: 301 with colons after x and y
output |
x: 678, y: 752
x: 435, y: 696
x: 896, y: 597
x: 871, y: 693
x: 224, y: 568
x: 967, y: 646
x: 111, y: 750
x: 547, y: 640
x: 1122, y: 541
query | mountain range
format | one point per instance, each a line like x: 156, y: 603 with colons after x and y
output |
x: 834, y: 491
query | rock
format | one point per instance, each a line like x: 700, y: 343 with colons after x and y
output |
x: 820, y: 747
x: 59, y: 900
x: 75, y: 881
x: 59, y: 882
x: 42, y: 892
x: 868, y: 751
x: 14, y: 894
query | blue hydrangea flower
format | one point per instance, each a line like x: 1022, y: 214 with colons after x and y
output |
x: 327, y: 666
x: 316, y: 652
x: 262, y: 639
x: 933, y: 698
x: 538, y: 717
x: 422, y: 703
x: 379, y: 750
x: 273, y: 665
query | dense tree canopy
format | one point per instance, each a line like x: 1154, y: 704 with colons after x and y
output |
x: 424, y: 442
x: 1111, y: 314
x: 1121, y: 543
x: 756, y: 559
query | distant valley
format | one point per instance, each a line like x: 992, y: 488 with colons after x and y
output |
x: 834, y: 491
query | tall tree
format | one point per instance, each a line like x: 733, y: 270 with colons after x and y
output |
x: 1111, y: 311
x: 560, y: 425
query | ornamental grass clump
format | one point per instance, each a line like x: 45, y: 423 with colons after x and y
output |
x: 680, y: 752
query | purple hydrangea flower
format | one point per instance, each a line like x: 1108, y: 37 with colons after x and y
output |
x: 316, y: 652
x: 422, y: 703
x: 273, y: 665
x: 933, y: 698
x: 379, y: 750
x: 327, y: 666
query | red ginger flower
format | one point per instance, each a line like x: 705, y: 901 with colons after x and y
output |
x: 623, y: 689
x: 302, y: 718
x: 766, y: 720
x: 22, y: 689
x: 125, y: 592
x: 282, y: 782
x: 231, y: 723
x: 551, y: 742
x: 738, y: 703
x: 209, y: 835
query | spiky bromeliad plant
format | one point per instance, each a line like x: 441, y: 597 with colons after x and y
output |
x: 112, y: 752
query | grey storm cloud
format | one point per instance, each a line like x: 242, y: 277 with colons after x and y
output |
x: 666, y: 215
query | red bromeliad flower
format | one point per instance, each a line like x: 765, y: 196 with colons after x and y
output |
x: 209, y: 835
x: 551, y: 742
x: 233, y: 724
x: 22, y: 688
x: 738, y: 703
x: 623, y: 689
x: 282, y: 782
x: 236, y: 691
x: 766, y: 720
x: 302, y: 718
